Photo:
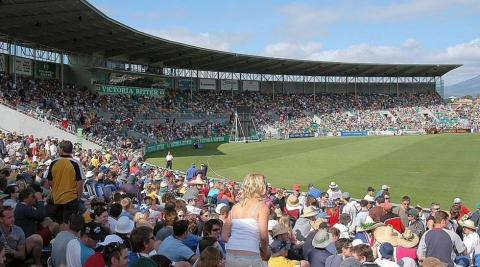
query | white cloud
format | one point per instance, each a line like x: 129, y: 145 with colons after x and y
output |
x: 411, y: 43
x: 217, y: 41
x: 410, y: 52
x: 292, y: 50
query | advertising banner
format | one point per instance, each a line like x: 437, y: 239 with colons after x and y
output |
x: 189, y: 142
x: 186, y: 83
x: 301, y: 135
x: 45, y: 70
x: 456, y: 131
x: 23, y: 66
x: 208, y: 84
x: 353, y: 133
x: 250, y: 86
x: 3, y: 63
x: 229, y: 85
x: 126, y: 90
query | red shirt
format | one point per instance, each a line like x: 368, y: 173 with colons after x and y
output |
x: 95, y: 260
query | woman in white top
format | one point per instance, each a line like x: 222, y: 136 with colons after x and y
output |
x: 246, y: 228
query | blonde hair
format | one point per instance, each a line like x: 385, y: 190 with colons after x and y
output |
x: 254, y: 186
x: 210, y: 257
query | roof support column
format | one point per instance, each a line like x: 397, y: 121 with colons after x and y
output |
x: 355, y: 86
x: 14, y: 61
x: 346, y: 85
x: 283, y: 84
x: 398, y: 91
x: 314, y: 93
x: 325, y: 83
x: 61, y: 70
x: 273, y: 89
x: 303, y: 85
x: 35, y: 63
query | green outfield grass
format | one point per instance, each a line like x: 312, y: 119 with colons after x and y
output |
x: 427, y: 168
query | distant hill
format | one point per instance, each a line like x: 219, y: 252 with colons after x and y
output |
x: 467, y: 87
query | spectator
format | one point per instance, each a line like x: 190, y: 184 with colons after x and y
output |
x: 173, y: 248
x: 246, y: 231
x: 403, y: 209
x: 386, y: 258
x: 364, y: 254
x: 414, y: 224
x: 344, y: 250
x: 441, y: 243
x: 66, y: 176
x: 59, y: 246
x: 30, y: 211
x: 319, y: 254
x: 143, y: 243
x: 115, y: 255
x: 278, y: 258
x: 17, y: 248
x: 79, y: 250
x: 210, y: 257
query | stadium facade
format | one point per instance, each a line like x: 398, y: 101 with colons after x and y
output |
x: 74, y: 42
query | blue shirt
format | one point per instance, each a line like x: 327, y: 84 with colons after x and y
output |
x: 175, y: 250
x: 191, y: 172
x: 85, y: 253
x: 191, y: 241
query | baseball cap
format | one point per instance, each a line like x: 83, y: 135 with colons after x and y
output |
x: 385, y: 187
x: 386, y: 250
x: 345, y: 195
x: 457, y: 200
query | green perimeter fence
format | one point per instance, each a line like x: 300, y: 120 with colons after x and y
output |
x: 189, y: 142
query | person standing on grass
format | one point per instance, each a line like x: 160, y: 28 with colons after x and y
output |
x: 169, y: 160
x: 246, y: 228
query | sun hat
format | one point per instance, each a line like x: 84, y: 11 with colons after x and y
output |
x: 197, y: 181
x: 322, y: 239
x: 89, y: 174
x: 318, y: 223
x: 158, y: 178
x: 386, y: 250
x: 111, y: 239
x: 219, y: 207
x: 385, y: 187
x: 468, y: 224
x: 408, y: 239
x: 278, y: 230
x: 385, y: 234
x: 333, y: 185
x: 433, y: 262
x: 309, y: 212
x: 292, y: 201
x: 272, y: 224
x: 457, y: 200
x: 278, y: 247
x: 124, y: 225
x: 345, y: 195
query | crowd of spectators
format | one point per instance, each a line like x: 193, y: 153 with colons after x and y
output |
x: 109, y: 208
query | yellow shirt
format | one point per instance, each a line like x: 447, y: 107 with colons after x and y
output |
x: 94, y: 162
x: 281, y: 261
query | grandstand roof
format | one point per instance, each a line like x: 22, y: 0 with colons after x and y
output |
x: 76, y: 26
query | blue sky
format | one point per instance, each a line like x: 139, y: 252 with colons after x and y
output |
x: 388, y: 31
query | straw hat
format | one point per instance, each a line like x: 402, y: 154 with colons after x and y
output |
x: 292, y: 201
x: 468, y: 224
x: 197, y: 181
x: 309, y: 212
x: 433, y: 262
x: 322, y: 239
x: 408, y: 239
x: 333, y: 185
x: 386, y: 234
x: 279, y: 229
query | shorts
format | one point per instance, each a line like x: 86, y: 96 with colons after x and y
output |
x: 62, y: 212
x: 243, y: 261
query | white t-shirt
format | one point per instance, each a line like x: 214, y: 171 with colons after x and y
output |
x: 53, y: 149
x: 369, y: 198
x: 386, y: 263
x: 169, y: 157
x: 472, y: 243
x: 73, y: 253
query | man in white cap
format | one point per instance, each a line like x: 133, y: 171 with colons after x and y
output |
x: 470, y: 238
x: 463, y: 210
x: 334, y: 191
x: 383, y: 191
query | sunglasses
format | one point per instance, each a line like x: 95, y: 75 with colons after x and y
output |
x: 216, y: 229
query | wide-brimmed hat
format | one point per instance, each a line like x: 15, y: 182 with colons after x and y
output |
x: 124, y: 225
x: 385, y: 234
x: 158, y: 178
x: 322, y: 239
x: 279, y: 229
x: 468, y: 224
x: 433, y: 262
x: 292, y: 201
x: 89, y: 174
x: 309, y: 212
x: 333, y: 185
x: 197, y: 181
x: 110, y: 239
x: 408, y: 239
